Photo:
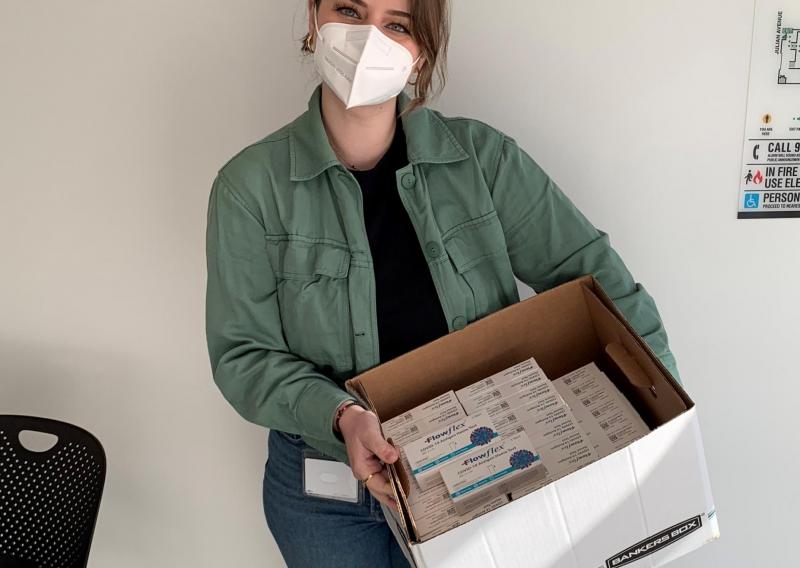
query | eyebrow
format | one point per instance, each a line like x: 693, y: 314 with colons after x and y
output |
x: 392, y: 12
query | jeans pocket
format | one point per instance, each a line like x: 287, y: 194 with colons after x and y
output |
x: 294, y: 439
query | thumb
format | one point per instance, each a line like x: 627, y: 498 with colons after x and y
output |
x: 375, y: 443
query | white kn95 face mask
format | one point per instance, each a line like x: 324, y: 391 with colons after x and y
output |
x: 361, y: 64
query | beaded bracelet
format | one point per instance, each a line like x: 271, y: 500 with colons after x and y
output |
x: 341, y: 410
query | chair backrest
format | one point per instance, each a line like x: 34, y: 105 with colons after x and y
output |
x: 48, y: 500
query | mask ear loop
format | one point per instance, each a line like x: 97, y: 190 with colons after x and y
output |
x: 416, y: 76
x: 412, y: 67
x: 316, y: 27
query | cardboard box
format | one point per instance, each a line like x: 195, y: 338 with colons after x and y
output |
x: 437, y: 408
x: 610, y: 421
x: 541, y: 412
x: 432, y: 508
x: 437, y: 514
x: 538, y: 398
x: 643, y: 505
x: 558, y: 438
x: 491, y: 470
x: 429, y: 453
x: 507, y: 383
x: 404, y: 431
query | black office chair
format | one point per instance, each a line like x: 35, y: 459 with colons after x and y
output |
x: 48, y: 500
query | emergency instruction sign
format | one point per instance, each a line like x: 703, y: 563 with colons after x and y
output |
x: 770, y: 176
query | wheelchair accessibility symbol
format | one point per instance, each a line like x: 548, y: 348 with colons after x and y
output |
x: 751, y: 200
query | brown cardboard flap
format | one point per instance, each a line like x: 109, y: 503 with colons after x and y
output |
x: 397, y: 478
x: 647, y: 386
x: 355, y: 388
x: 400, y: 487
x: 628, y: 365
x: 401, y: 472
x: 653, y: 359
x: 554, y: 327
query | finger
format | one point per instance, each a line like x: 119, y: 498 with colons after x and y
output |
x: 370, y: 461
x: 380, y: 487
x: 361, y: 470
x: 365, y: 463
x: 388, y: 501
x: 375, y: 442
x: 379, y: 483
x: 369, y: 476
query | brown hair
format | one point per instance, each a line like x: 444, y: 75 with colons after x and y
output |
x: 431, y: 31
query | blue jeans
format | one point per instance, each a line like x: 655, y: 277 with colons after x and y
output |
x: 316, y: 532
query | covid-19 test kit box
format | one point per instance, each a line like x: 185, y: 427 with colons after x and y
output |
x: 643, y: 501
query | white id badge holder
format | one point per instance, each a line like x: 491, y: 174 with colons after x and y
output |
x: 327, y: 478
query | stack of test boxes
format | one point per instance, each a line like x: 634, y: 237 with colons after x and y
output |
x: 607, y: 417
x: 433, y: 510
x: 472, y: 450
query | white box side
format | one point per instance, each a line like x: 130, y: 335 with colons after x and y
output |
x: 674, y: 492
x: 655, y: 483
x: 504, y: 538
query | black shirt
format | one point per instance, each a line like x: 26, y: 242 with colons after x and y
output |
x: 409, y: 311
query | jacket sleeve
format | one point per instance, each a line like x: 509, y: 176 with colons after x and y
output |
x: 551, y: 242
x: 250, y: 362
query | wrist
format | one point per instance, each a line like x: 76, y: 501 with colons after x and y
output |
x: 346, y: 418
x: 347, y: 408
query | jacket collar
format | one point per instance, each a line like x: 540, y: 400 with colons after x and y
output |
x: 428, y: 139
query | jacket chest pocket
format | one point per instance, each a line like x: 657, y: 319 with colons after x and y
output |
x: 313, y: 297
x: 477, y: 249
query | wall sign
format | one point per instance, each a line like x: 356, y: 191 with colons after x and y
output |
x: 770, y: 177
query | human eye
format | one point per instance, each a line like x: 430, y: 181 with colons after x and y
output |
x: 346, y: 10
x: 402, y: 30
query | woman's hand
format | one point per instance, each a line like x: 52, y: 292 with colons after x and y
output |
x: 366, y: 449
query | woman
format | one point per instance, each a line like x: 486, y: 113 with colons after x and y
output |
x: 366, y: 227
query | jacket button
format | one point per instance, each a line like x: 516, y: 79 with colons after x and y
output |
x: 433, y: 249
x: 459, y: 322
x: 409, y: 181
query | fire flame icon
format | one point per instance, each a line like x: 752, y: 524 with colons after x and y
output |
x: 758, y: 178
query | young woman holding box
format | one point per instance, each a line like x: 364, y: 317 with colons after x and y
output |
x: 370, y: 225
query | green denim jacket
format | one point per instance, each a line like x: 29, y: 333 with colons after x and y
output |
x: 290, y: 299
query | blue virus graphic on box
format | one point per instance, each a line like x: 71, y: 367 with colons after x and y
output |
x: 522, y: 459
x: 481, y: 435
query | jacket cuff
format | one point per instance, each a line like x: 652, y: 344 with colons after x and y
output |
x: 316, y: 409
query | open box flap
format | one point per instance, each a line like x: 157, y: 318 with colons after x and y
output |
x: 597, y: 288
x: 461, y: 357
x: 400, y: 486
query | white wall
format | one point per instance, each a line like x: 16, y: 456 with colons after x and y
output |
x: 114, y: 117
